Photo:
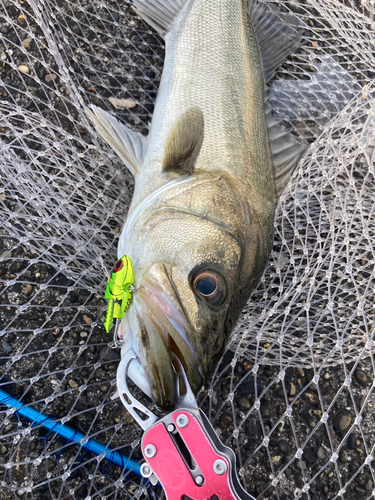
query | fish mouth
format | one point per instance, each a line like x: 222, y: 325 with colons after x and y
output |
x: 158, y: 326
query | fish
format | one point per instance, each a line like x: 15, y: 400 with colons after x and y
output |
x: 199, y: 229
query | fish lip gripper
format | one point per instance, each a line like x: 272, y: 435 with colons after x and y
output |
x: 182, y: 450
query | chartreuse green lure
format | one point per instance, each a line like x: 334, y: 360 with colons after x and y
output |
x: 119, y: 291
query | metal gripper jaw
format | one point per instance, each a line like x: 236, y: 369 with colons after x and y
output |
x: 182, y: 449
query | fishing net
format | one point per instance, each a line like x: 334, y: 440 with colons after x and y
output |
x: 293, y: 395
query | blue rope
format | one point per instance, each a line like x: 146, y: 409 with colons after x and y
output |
x: 68, y: 433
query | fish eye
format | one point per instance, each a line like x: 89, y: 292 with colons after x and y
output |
x: 210, y: 286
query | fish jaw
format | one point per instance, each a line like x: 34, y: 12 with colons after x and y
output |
x: 154, y: 327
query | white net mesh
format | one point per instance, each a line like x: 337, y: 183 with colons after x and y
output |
x: 294, y: 394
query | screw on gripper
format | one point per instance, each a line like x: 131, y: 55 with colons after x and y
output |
x: 182, y: 420
x: 150, y: 450
x: 219, y: 467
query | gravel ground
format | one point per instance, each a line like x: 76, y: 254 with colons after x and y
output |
x: 70, y: 371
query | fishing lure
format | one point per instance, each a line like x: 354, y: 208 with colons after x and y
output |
x: 119, y: 291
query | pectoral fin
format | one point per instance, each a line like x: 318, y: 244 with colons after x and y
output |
x: 129, y: 145
x: 184, y: 142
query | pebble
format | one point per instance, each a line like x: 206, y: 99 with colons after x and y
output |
x: 311, y: 398
x: 26, y: 42
x: 265, y: 411
x: 284, y: 446
x: 87, y: 319
x: 83, y: 334
x: 252, y: 427
x: 107, y: 354
x: 132, y: 488
x: 299, y: 480
x: 247, y: 366
x: 37, y: 275
x: 310, y: 456
x: 360, y: 490
x: 73, y: 384
x: 361, y: 378
x: 225, y: 421
x: 352, y: 441
x: 7, y: 347
x: 369, y: 485
x: 22, y: 20
x: 135, y: 119
x: 28, y: 289
x: 24, y: 69
x: 276, y: 459
x: 122, y: 103
x: 343, y: 456
x: 50, y: 78
x: 86, y: 138
x: 244, y: 404
x: 104, y: 388
x: 342, y: 421
x: 321, y: 453
x: 292, y: 391
x: 3, y: 449
x: 214, y: 398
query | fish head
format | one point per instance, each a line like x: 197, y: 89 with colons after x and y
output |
x: 185, y: 279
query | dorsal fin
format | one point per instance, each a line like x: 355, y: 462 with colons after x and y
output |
x: 285, y: 149
x: 278, y: 35
x: 129, y: 145
x: 184, y: 142
x: 159, y: 14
